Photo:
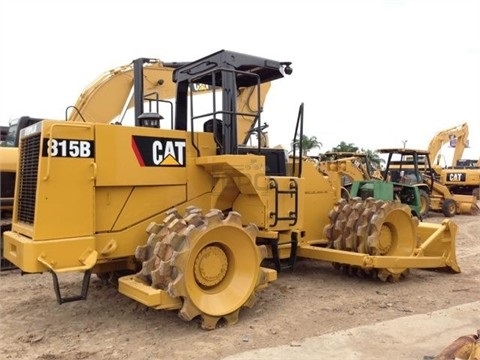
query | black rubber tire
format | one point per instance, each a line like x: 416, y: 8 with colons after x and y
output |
x: 476, y: 193
x: 425, y: 201
x: 449, y: 207
x: 345, y: 194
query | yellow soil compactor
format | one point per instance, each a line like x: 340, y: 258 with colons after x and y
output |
x: 189, y: 216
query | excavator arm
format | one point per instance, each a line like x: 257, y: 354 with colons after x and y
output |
x: 111, y: 94
x: 457, y: 134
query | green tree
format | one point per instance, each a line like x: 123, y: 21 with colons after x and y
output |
x: 373, y: 157
x: 308, y: 143
x: 344, y: 147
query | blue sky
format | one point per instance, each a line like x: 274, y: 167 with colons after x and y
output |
x: 371, y: 73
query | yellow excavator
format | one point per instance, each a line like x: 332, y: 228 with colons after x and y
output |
x: 457, y: 177
x: 456, y: 137
x: 411, y: 168
x: 195, y: 218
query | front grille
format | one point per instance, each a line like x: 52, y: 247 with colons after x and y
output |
x: 27, y: 177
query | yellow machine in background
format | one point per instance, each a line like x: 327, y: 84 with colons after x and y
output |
x: 458, y: 178
x: 343, y: 168
x: 198, y: 213
x: 413, y: 168
x: 456, y: 136
x: 8, y: 168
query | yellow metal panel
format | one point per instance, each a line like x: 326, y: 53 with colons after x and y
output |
x: 59, y: 210
x: 203, y: 181
x: 9, y: 159
x: 318, y: 199
x: 123, y: 242
x: 60, y: 254
x: 247, y: 171
x: 135, y: 155
x: 252, y: 210
x: 147, y: 201
x: 64, y: 197
x: 109, y: 202
x: 120, y: 207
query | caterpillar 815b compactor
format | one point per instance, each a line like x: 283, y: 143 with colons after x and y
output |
x: 196, y: 212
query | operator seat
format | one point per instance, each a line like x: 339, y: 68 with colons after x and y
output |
x: 217, y: 126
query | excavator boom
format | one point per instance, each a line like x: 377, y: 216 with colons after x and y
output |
x: 112, y: 94
x: 457, y: 136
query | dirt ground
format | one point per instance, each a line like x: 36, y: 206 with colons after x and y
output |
x: 311, y: 300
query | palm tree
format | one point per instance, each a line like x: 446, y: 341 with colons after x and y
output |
x: 344, y: 147
x: 308, y: 143
x: 374, y: 158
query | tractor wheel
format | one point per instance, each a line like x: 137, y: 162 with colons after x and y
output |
x: 377, y: 228
x: 449, y: 207
x: 344, y: 193
x: 211, y: 262
x: 476, y: 193
x: 425, y: 204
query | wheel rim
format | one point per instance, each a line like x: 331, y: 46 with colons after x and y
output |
x: 210, y: 266
x: 219, y: 270
x: 393, y: 232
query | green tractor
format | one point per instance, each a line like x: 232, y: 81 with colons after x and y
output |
x: 403, y: 180
x: 410, y: 178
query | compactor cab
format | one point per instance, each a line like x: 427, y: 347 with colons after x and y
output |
x: 225, y: 72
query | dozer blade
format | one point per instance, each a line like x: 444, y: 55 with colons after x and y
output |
x: 438, y: 240
x: 466, y: 204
